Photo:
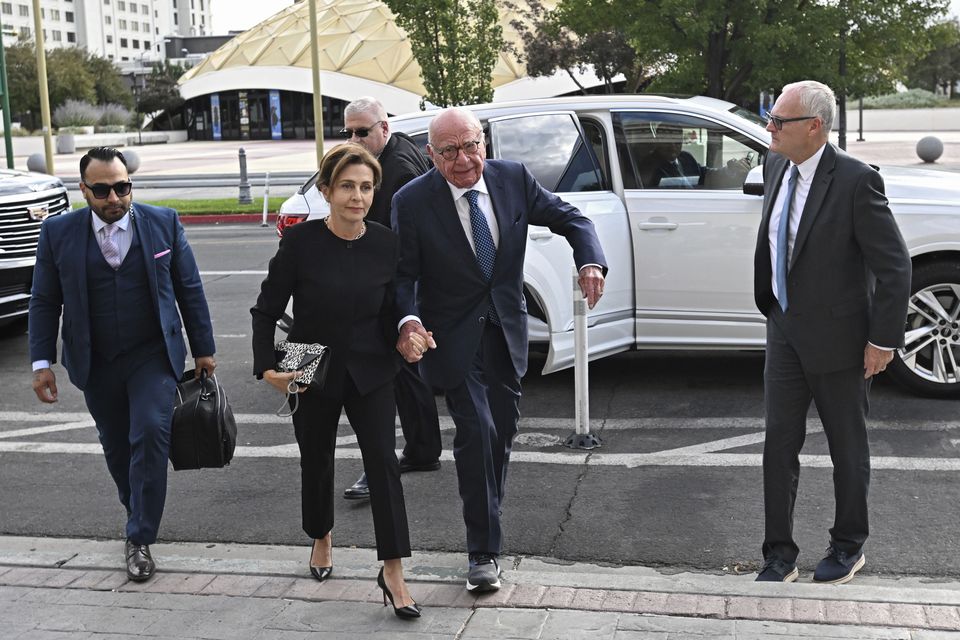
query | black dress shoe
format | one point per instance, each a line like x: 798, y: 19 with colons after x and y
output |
x: 140, y: 565
x: 359, y: 490
x: 320, y: 573
x: 406, y: 464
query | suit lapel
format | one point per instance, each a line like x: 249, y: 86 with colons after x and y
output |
x: 144, y: 230
x: 83, y: 229
x: 818, y: 191
x: 501, y: 209
x: 772, y: 189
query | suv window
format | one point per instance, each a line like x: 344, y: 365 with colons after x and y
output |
x: 551, y: 147
x: 674, y: 151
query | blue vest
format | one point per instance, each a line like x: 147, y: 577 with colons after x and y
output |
x: 122, y: 317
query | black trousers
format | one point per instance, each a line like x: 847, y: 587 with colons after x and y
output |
x: 485, y: 408
x: 418, y: 415
x: 841, y: 399
x: 372, y: 419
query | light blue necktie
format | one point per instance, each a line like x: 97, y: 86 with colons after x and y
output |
x: 483, y: 242
x: 783, y: 241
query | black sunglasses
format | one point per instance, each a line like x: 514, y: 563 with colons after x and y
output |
x: 360, y: 132
x: 101, y: 191
x: 779, y: 122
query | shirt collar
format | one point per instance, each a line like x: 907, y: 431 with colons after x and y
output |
x: 121, y: 224
x: 809, y: 166
x: 457, y: 192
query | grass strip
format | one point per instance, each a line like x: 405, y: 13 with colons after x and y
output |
x: 210, y: 206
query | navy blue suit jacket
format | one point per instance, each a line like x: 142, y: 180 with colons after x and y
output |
x: 440, y: 281
x: 60, y: 285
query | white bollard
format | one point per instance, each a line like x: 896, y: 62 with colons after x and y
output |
x: 581, y: 438
x: 266, y: 199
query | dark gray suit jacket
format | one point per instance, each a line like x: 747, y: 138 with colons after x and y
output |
x: 849, y: 275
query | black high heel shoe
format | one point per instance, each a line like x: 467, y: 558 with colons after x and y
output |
x: 320, y: 573
x: 409, y: 611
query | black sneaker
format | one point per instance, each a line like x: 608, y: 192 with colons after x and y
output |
x: 838, y: 566
x: 484, y: 573
x: 776, y: 570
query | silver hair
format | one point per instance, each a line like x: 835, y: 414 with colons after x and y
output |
x: 366, y: 104
x: 817, y: 99
x: 466, y: 113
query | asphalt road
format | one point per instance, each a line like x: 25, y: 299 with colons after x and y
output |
x: 676, y: 484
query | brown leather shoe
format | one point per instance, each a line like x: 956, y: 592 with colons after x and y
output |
x: 140, y: 565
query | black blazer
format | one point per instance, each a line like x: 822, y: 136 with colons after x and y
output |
x: 849, y: 275
x: 343, y: 297
x: 401, y: 162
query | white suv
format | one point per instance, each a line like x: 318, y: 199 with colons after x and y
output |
x: 680, y: 249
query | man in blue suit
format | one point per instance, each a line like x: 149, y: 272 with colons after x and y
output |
x: 117, y: 272
x: 463, y: 234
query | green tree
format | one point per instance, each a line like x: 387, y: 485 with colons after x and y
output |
x: 161, y: 92
x: 456, y: 44
x: 68, y: 77
x: 107, y: 83
x: 941, y: 66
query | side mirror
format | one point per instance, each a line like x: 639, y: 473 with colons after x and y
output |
x: 753, y: 184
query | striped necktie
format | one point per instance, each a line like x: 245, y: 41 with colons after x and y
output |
x: 109, y: 246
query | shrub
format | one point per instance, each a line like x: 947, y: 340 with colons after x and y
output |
x: 114, y: 114
x: 110, y: 128
x: 74, y: 113
x: 76, y: 130
x: 911, y: 99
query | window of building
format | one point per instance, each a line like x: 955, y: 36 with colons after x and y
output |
x: 124, y: 58
x: 71, y: 36
x: 134, y: 26
x: 6, y: 8
x: 174, y: 4
x: 109, y: 39
x: 24, y: 10
x: 108, y: 19
x: 175, y: 20
x: 106, y: 1
x: 135, y: 43
x: 54, y: 14
x: 123, y: 44
x: 201, y: 5
x: 146, y: 27
x: 57, y: 36
x: 25, y: 33
x: 144, y: 9
x: 133, y: 7
x: 146, y: 44
x: 191, y: 4
x: 69, y: 16
x: 122, y: 23
x: 121, y: 5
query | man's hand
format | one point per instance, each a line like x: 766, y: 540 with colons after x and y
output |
x: 414, y: 341
x: 875, y: 360
x: 45, y: 385
x: 204, y: 362
x: 591, y: 285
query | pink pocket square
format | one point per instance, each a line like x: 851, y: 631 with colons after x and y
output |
x: 161, y: 254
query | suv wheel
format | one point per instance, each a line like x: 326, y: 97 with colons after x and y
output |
x: 929, y: 362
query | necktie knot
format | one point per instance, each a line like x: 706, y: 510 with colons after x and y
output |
x: 472, y: 197
x: 109, y: 230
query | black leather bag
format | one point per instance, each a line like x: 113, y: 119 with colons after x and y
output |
x: 204, y: 431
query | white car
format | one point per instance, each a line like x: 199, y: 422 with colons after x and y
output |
x: 680, y: 250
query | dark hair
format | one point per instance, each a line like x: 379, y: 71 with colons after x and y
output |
x: 342, y: 156
x: 103, y: 154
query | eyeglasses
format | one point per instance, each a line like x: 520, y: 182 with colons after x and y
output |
x: 101, y: 191
x: 360, y: 132
x: 779, y: 122
x: 450, y: 152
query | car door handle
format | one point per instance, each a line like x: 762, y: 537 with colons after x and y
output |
x: 544, y: 234
x: 657, y: 223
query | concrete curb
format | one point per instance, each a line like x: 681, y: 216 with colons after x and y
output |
x: 228, y: 218
x: 436, y: 580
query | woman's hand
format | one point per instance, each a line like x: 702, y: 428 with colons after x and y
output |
x: 281, y: 381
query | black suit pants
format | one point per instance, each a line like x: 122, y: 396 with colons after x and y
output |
x: 485, y: 408
x: 841, y: 398
x: 372, y: 418
x: 418, y: 415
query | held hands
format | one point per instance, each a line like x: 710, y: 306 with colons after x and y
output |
x: 281, y: 381
x: 875, y: 360
x: 414, y: 341
x: 45, y: 385
x: 591, y: 284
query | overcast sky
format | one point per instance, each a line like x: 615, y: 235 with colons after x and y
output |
x: 240, y: 15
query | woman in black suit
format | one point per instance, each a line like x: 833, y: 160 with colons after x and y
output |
x: 340, y: 271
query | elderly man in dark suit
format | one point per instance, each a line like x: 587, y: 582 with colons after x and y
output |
x: 463, y: 235
x: 365, y: 122
x: 118, y: 271
x: 832, y: 276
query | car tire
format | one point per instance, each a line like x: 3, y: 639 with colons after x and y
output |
x: 929, y: 363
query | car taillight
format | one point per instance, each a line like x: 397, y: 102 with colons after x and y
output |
x: 285, y: 220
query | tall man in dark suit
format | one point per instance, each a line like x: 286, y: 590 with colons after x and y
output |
x: 832, y: 276
x: 365, y: 122
x: 117, y: 272
x: 463, y: 235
